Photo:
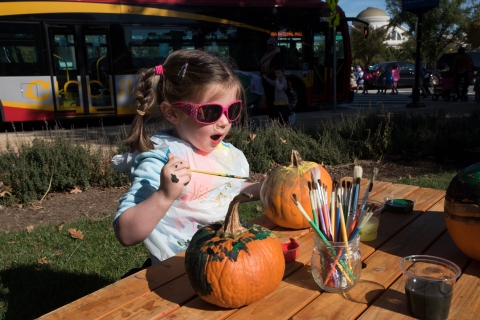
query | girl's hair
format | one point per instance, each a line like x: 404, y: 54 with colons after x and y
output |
x: 185, y: 76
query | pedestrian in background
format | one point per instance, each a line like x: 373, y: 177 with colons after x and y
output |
x: 462, y: 65
x: 388, y: 79
x: 396, y: 77
x: 380, y: 81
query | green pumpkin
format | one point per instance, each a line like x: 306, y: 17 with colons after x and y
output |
x: 462, y: 210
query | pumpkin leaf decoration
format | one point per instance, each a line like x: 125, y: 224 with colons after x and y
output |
x: 282, y: 182
x: 233, y: 264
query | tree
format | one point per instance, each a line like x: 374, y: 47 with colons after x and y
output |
x: 442, y: 27
x: 472, y: 34
x: 370, y: 50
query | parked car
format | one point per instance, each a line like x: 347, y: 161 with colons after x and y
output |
x: 407, y: 73
x: 445, y: 63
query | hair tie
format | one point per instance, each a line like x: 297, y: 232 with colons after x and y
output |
x: 141, y: 113
x: 159, y: 70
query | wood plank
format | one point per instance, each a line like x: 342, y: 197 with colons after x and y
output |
x: 391, y: 223
x: 396, y: 189
x: 161, y: 301
x: 199, y: 309
x: 294, y: 293
x: 121, y: 292
x: 466, y: 294
x: 392, y: 305
x: 381, y: 269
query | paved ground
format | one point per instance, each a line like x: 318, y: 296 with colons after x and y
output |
x: 361, y: 105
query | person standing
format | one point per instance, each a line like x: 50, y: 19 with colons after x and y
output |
x: 380, y: 81
x: 388, y: 79
x: 359, y: 78
x: 462, y: 65
x: 420, y: 78
x: 396, y: 77
x: 280, y: 111
x: 271, y: 59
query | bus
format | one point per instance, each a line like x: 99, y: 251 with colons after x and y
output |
x: 74, y: 59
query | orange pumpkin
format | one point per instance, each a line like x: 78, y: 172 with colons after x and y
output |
x: 462, y: 210
x: 282, y: 182
x: 233, y: 265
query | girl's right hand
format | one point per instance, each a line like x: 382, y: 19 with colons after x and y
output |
x: 174, y: 175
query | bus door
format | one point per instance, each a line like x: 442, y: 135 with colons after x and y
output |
x: 82, y: 76
x: 323, y: 64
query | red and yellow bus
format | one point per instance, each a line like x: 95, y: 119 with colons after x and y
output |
x: 73, y: 59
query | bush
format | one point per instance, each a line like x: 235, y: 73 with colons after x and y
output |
x: 59, y: 163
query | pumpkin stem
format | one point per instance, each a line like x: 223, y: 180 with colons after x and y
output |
x: 296, y: 160
x: 232, y: 227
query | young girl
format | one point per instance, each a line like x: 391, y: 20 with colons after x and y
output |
x: 166, y: 204
x: 280, y: 104
x: 396, y: 77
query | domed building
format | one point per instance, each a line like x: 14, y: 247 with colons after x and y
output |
x: 377, y: 18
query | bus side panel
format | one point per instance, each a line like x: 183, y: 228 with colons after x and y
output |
x: 26, y: 98
x: 124, y: 89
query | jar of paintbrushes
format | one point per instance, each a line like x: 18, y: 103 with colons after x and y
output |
x: 336, y: 266
x: 336, y: 258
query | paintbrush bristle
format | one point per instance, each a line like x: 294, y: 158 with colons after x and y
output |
x: 315, y: 173
x: 357, y: 173
x: 375, y: 172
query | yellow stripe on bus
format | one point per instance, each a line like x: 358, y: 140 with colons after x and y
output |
x: 44, y: 107
x: 40, y: 7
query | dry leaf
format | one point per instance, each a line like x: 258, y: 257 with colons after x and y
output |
x: 60, y: 227
x: 58, y: 252
x: 75, y: 234
x: 259, y: 208
x: 42, y: 260
x: 12, y: 242
x: 35, y: 207
x: 283, y: 141
x: 75, y: 191
x: 252, y: 136
x: 29, y: 229
x: 20, y: 206
x: 3, y: 193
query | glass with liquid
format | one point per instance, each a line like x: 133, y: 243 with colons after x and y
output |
x: 369, y: 231
x: 429, y: 284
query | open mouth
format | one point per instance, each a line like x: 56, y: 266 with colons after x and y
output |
x: 216, y: 137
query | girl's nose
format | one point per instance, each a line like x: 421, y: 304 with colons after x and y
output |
x: 223, y: 121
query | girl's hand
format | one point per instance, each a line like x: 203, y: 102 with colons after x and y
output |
x: 173, y: 177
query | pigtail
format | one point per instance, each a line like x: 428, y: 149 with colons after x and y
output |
x: 138, y: 138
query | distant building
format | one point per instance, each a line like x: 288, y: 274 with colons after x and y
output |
x: 377, y: 18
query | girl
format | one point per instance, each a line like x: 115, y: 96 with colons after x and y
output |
x: 166, y: 204
x: 396, y: 77
x: 280, y: 104
x: 359, y: 78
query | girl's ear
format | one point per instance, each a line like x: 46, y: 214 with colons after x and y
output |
x: 169, y: 112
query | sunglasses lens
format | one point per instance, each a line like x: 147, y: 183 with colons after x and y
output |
x: 209, y: 113
x: 234, y: 111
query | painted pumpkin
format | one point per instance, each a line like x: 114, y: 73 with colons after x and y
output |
x: 233, y: 265
x: 462, y: 210
x: 281, y: 183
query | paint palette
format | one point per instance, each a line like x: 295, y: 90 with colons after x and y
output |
x: 398, y: 204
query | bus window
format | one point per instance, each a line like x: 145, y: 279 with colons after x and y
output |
x: 319, y: 62
x: 65, y: 52
x: 19, y: 51
x: 292, y: 48
x: 151, y: 46
x: 339, y: 45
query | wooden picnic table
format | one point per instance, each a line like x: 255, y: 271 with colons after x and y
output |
x: 164, y: 291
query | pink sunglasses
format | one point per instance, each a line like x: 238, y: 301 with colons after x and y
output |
x: 208, y: 113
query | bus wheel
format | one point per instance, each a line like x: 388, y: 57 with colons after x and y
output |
x: 298, y: 95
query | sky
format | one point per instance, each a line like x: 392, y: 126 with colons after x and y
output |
x: 353, y: 7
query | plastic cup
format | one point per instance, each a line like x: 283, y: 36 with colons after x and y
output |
x: 369, y: 231
x: 429, y: 284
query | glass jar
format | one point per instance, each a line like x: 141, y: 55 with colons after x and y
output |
x: 336, y: 267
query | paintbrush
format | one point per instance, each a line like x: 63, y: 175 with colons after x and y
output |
x: 369, y: 189
x: 218, y: 174
x: 357, y: 178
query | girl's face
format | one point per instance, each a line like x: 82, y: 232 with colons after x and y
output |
x: 278, y: 74
x: 205, y: 137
